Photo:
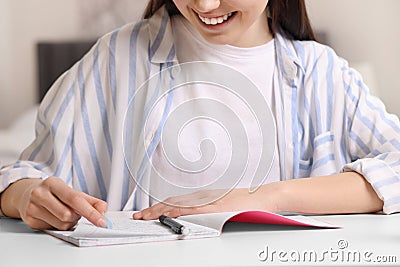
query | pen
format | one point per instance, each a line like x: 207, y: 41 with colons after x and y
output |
x: 174, y: 225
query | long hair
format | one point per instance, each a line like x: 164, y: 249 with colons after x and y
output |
x: 287, y: 17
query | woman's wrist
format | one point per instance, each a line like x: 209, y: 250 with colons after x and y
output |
x: 11, y: 198
x: 1, y: 212
x: 282, y: 197
x: 273, y: 197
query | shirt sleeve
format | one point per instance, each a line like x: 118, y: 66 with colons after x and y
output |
x: 373, y: 140
x: 50, y: 152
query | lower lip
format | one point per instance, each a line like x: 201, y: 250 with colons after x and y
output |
x: 218, y: 26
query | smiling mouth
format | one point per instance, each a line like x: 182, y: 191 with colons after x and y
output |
x: 216, y: 20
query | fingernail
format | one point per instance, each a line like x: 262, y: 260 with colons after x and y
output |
x: 102, y: 222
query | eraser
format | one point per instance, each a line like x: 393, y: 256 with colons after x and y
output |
x: 109, y: 223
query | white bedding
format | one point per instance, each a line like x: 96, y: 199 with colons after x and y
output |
x: 17, y: 137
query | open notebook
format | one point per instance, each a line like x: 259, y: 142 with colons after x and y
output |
x: 125, y: 230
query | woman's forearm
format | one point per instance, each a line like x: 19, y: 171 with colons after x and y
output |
x: 340, y: 193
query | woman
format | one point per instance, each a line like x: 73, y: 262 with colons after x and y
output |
x: 327, y: 126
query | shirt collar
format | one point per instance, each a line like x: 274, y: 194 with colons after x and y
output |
x: 288, y: 57
x: 161, y: 47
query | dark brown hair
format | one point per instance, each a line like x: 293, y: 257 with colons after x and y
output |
x: 287, y: 17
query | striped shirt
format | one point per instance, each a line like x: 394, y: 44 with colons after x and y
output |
x: 326, y: 121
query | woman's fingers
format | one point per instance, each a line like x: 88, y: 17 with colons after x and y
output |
x: 43, y: 219
x: 52, y: 203
x: 207, y: 201
x: 41, y: 196
x: 91, y: 208
x: 100, y: 205
x: 194, y: 203
x: 37, y: 224
x: 159, y: 209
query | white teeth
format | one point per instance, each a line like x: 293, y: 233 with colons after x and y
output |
x: 215, y: 21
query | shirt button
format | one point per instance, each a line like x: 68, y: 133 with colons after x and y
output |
x: 175, y: 71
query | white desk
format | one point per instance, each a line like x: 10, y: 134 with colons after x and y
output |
x: 239, y: 245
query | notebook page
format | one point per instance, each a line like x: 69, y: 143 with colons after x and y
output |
x: 128, y: 227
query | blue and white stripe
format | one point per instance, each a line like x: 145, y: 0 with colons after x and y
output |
x: 326, y: 121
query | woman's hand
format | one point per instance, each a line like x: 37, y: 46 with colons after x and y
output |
x: 215, y: 201
x: 51, y: 204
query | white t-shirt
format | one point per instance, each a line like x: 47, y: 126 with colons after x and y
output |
x: 193, y: 166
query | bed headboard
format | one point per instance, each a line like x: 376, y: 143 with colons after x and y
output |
x: 54, y: 58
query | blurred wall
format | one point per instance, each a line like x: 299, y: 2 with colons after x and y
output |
x: 367, y: 32
x: 5, y: 60
x: 24, y: 23
x: 359, y: 30
x: 28, y: 22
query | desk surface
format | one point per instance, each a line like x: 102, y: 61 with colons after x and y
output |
x: 364, y: 239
